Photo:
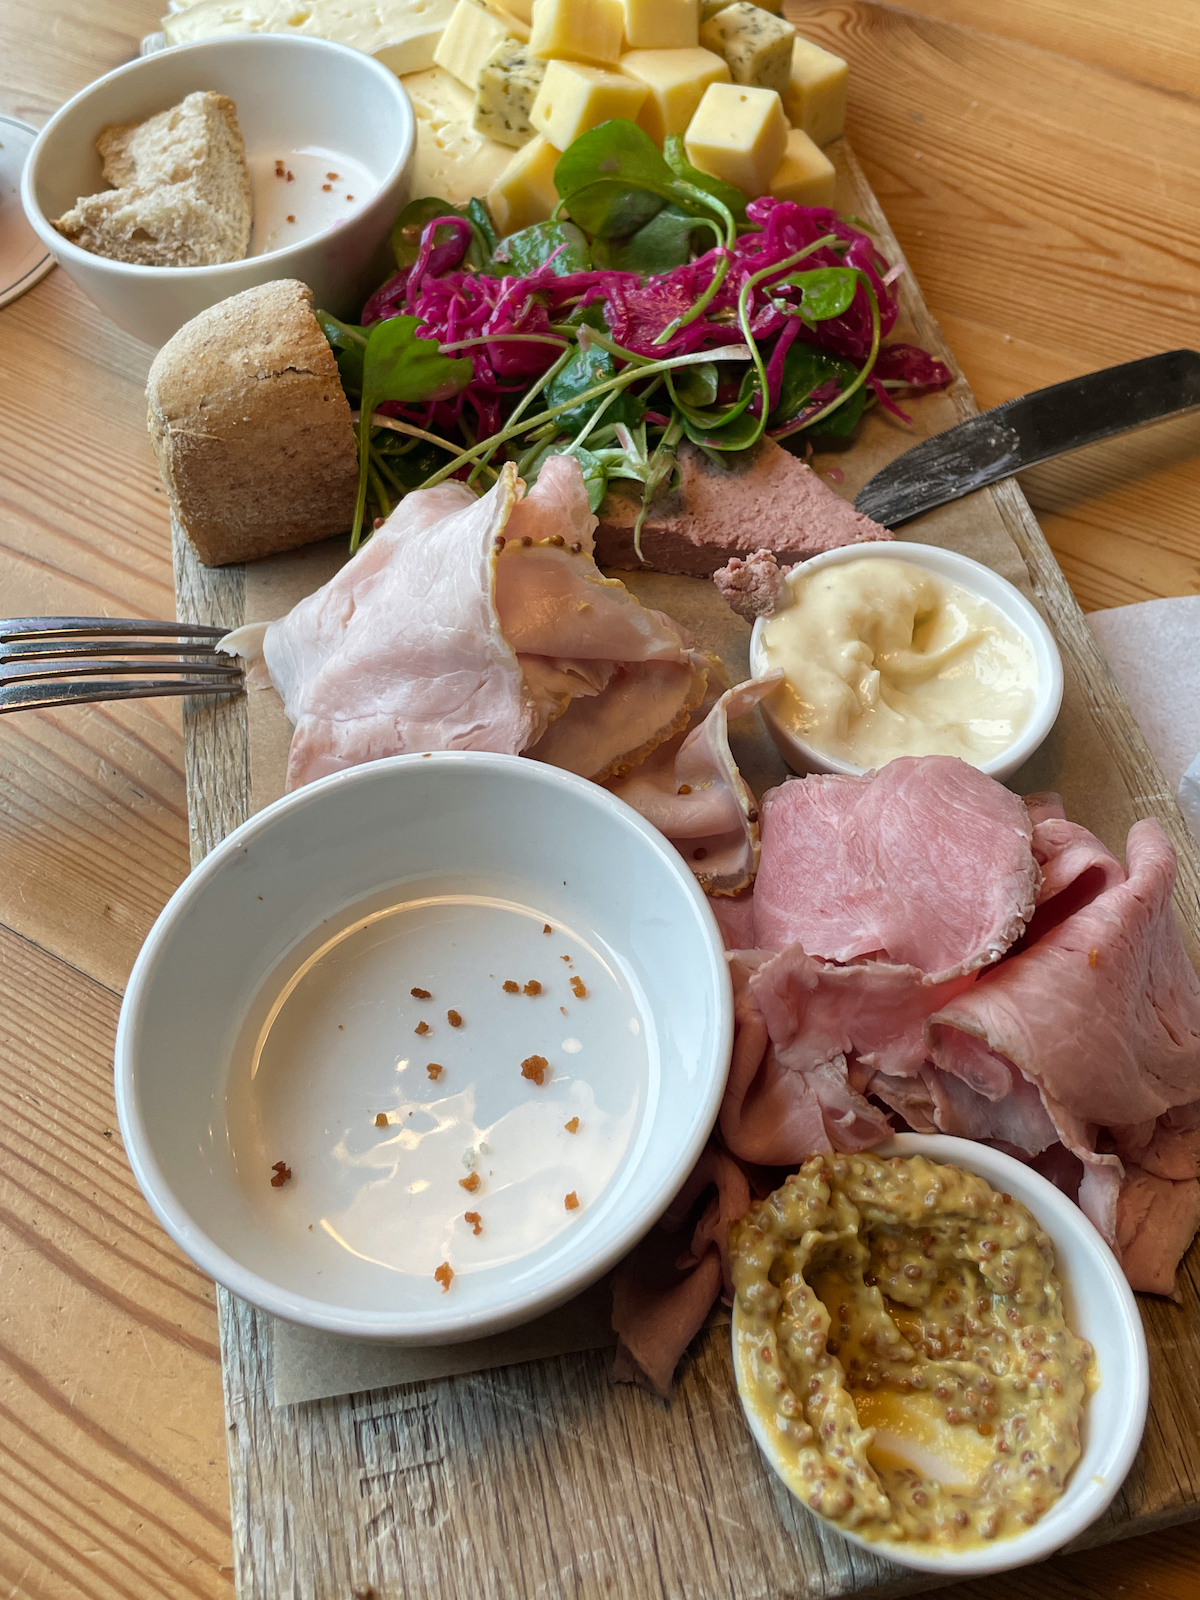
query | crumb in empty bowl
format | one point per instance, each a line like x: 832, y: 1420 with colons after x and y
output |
x: 535, y: 1069
x: 282, y: 1173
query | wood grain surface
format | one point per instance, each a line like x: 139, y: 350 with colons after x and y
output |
x: 1039, y: 162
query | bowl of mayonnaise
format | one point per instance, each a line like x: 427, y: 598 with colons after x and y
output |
x: 893, y: 649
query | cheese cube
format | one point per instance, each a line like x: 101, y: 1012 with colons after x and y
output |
x: 471, y: 36
x: 523, y: 11
x: 805, y: 174
x: 578, y: 30
x: 508, y: 86
x: 574, y: 98
x: 676, y: 81
x: 524, y: 193
x: 815, y: 97
x: 738, y: 134
x: 757, y: 46
x: 452, y: 161
x: 662, y: 24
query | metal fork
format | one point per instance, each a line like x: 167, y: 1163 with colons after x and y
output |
x: 59, y: 661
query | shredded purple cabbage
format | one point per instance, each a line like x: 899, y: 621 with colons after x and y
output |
x: 453, y: 305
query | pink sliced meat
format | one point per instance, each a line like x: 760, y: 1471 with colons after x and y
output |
x: 754, y: 587
x: 691, y: 790
x: 927, y: 863
x: 1156, y: 1221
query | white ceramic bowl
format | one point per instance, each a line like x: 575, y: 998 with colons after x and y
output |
x: 1100, y: 1308
x: 968, y: 574
x: 352, y: 1241
x: 291, y: 93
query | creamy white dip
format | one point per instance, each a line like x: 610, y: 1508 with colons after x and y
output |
x: 882, y: 658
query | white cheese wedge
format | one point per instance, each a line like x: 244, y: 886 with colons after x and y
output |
x: 578, y: 30
x: 662, y: 24
x: 815, y: 97
x: 739, y: 133
x: 452, y: 161
x: 676, y: 81
x: 508, y: 86
x: 575, y: 97
x: 757, y: 46
x: 470, y: 37
x: 524, y: 192
x: 403, y: 34
x: 805, y: 173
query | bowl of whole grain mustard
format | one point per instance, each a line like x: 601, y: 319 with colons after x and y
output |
x: 937, y: 1353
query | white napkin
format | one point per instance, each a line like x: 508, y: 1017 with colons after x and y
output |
x: 1154, y: 652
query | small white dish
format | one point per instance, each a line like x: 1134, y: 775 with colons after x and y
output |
x: 24, y: 259
x: 1100, y: 1308
x: 293, y: 95
x: 971, y: 575
x: 270, y: 1018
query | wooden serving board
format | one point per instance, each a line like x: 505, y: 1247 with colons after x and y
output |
x: 545, y: 1479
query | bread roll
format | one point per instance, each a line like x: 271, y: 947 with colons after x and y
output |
x: 251, y: 427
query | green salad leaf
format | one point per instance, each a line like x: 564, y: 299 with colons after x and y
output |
x: 349, y: 345
x: 522, y: 253
x: 825, y: 292
x: 665, y: 242
x: 589, y: 366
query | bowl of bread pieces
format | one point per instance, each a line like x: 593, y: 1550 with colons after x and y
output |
x: 201, y: 171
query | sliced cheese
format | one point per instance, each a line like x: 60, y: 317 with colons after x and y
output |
x: 578, y: 30
x: 815, y: 97
x: 805, y: 174
x: 524, y: 192
x: 757, y: 46
x: 508, y: 86
x: 662, y: 24
x: 739, y: 133
x: 452, y: 161
x: 574, y: 97
x: 470, y: 37
x: 403, y: 34
x: 676, y: 81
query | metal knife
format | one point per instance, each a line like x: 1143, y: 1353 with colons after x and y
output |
x: 1033, y: 428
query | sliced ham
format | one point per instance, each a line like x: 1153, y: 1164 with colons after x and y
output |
x: 691, y: 790
x: 764, y: 498
x: 927, y: 864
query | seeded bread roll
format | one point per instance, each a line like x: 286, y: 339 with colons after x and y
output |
x: 251, y: 427
x: 182, y: 190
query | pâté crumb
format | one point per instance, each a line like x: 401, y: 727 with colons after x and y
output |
x: 282, y: 1173
x: 572, y: 1126
x: 420, y: 994
x: 510, y: 987
x: 434, y: 1069
x: 454, y: 1019
x: 421, y: 1027
x: 470, y: 1184
x: 444, y: 1275
x: 571, y: 1201
x: 578, y: 987
x: 475, y: 1220
x: 532, y: 987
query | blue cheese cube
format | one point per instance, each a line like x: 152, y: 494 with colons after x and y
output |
x: 508, y: 86
x: 756, y: 45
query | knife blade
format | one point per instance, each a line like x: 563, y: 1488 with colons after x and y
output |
x: 1034, y: 427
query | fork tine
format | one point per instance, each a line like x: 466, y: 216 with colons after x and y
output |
x: 31, y: 697
x: 58, y: 672
x: 15, y: 628
x: 36, y: 649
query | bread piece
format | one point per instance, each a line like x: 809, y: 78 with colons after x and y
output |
x: 251, y: 427
x: 181, y: 195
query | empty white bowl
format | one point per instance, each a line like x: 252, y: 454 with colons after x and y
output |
x: 292, y: 94
x: 1100, y: 1308
x: 270, y: 1019
x: 971, y: 575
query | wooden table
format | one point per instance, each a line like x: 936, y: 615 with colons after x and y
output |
x: 1040, y: 162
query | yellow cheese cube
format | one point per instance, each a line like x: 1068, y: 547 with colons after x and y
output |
x: 805, y: 174
x: 676, y: 81
x: 578, y: 30
x: 524, y: 193
x: 522, y: 10
x: 739, y: 134
x: 574, y: 98
x: 471, y: 35
x: 815, y: 98
x: 662, y: 24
